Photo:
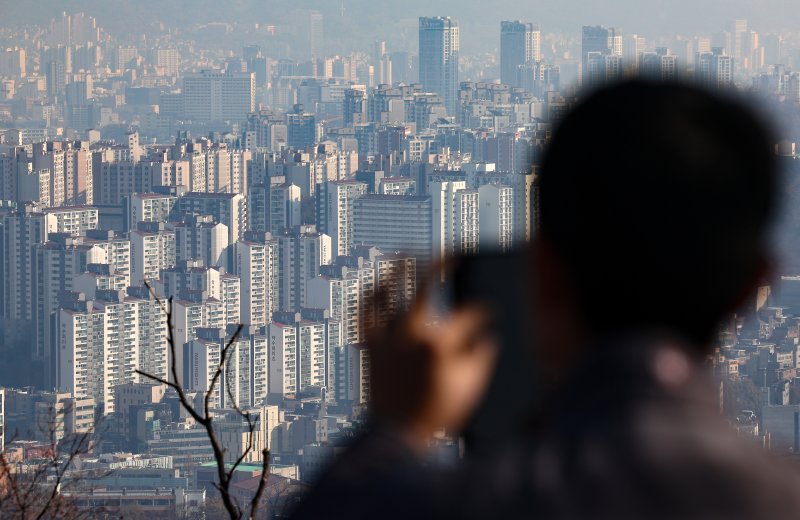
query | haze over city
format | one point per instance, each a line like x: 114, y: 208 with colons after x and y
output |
x: 209, y: 208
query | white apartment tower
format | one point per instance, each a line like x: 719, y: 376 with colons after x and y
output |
x: 256, y: 263
x: 149, y: 207
x: 191, y: 312
x: 214, y: 96
x: 244, y: 380
x: 347, y: 297
x: 395, y: 224
x: 352, y: 374
x: 284, y: 207
x: 496, y: 217
x: 226, y: 208
x: 58, y: 262
x: 335, y: 212
x: 199, y: 237
x: 20, y: 232
x: 481, y: 174
x: 71, y: 219
x: 300, y: 255
x: 102, y: 342
x: 454, y: 217
x: 282, y: 339
x: 395, y: 276
x: 152, y: 249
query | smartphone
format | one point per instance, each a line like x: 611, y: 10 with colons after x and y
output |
x: 500, y: 282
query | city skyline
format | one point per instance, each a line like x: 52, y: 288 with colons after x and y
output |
x: 211, y: 206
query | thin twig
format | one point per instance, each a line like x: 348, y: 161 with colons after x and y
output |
x: 205, y: 419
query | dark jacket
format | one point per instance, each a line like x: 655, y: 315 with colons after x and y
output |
x: 635, y: 433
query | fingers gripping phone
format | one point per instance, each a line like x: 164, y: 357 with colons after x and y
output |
x: 501, y: 284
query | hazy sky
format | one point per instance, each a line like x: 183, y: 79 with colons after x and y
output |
x: 383, y: 18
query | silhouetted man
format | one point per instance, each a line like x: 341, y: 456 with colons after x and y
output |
x: 655, y: 200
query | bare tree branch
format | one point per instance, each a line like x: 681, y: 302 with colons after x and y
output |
x: 262, y: 483
x: 34, y: 493
x: 205, y: 419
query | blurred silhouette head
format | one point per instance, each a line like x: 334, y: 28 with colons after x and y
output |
x: 655, y: 199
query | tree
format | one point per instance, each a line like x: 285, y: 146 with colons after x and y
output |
x: 205, y: 418
x: 32, y: 490
x: 741, y: 394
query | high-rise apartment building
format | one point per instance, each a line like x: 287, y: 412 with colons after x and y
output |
x: 58, y: 263
x: 739, y: 46
x: 635, y: 45
x: 481, y: 174
x: 148, y: 207
x: 509, y: 151
x: 454, y: 217
x: 215, y: 168
x: 199, y: 237
x: 13, y: 62
x: 214, y: 96
x: 346, y: 292
x: 99, y: 277
x: 659, y: 66
x: 116, y: 180
x: 21, y: 231
x: 226, y: 208
x: 301, y: 128
x: 496, y: 218
x: 520, y: 43
x: 352, y: 374
x: 193, y: 310
x: 123, y: 57
x: 283, y: 359
x: 598, y: 39
x: 68, y: 175
x: 438, y: 59
x: 13, y: 163
x: 395, y: 224
x: 101, y: 343
x: 245, y: 369
x: 192, y: 277
x: 714, y: 70
x: 316, y: 338
x: 71, y: 167
x: 285, y: 208
x: 73, y: 220
x: 312, y: 361
x: 55, y: 77
x: 52, y: 161
x: 316, y: 34
x: 266, y: 130
x: 152, y: 249
x: 116, y: 250
x: 256, y: 263
x: 396, y: 277
x: 301, y: 252
x: 169, y: 60
x: 355, y: 105
x: 335, y: 212
x: 258, y: 207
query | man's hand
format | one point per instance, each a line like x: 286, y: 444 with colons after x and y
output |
x: 428, y: 375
